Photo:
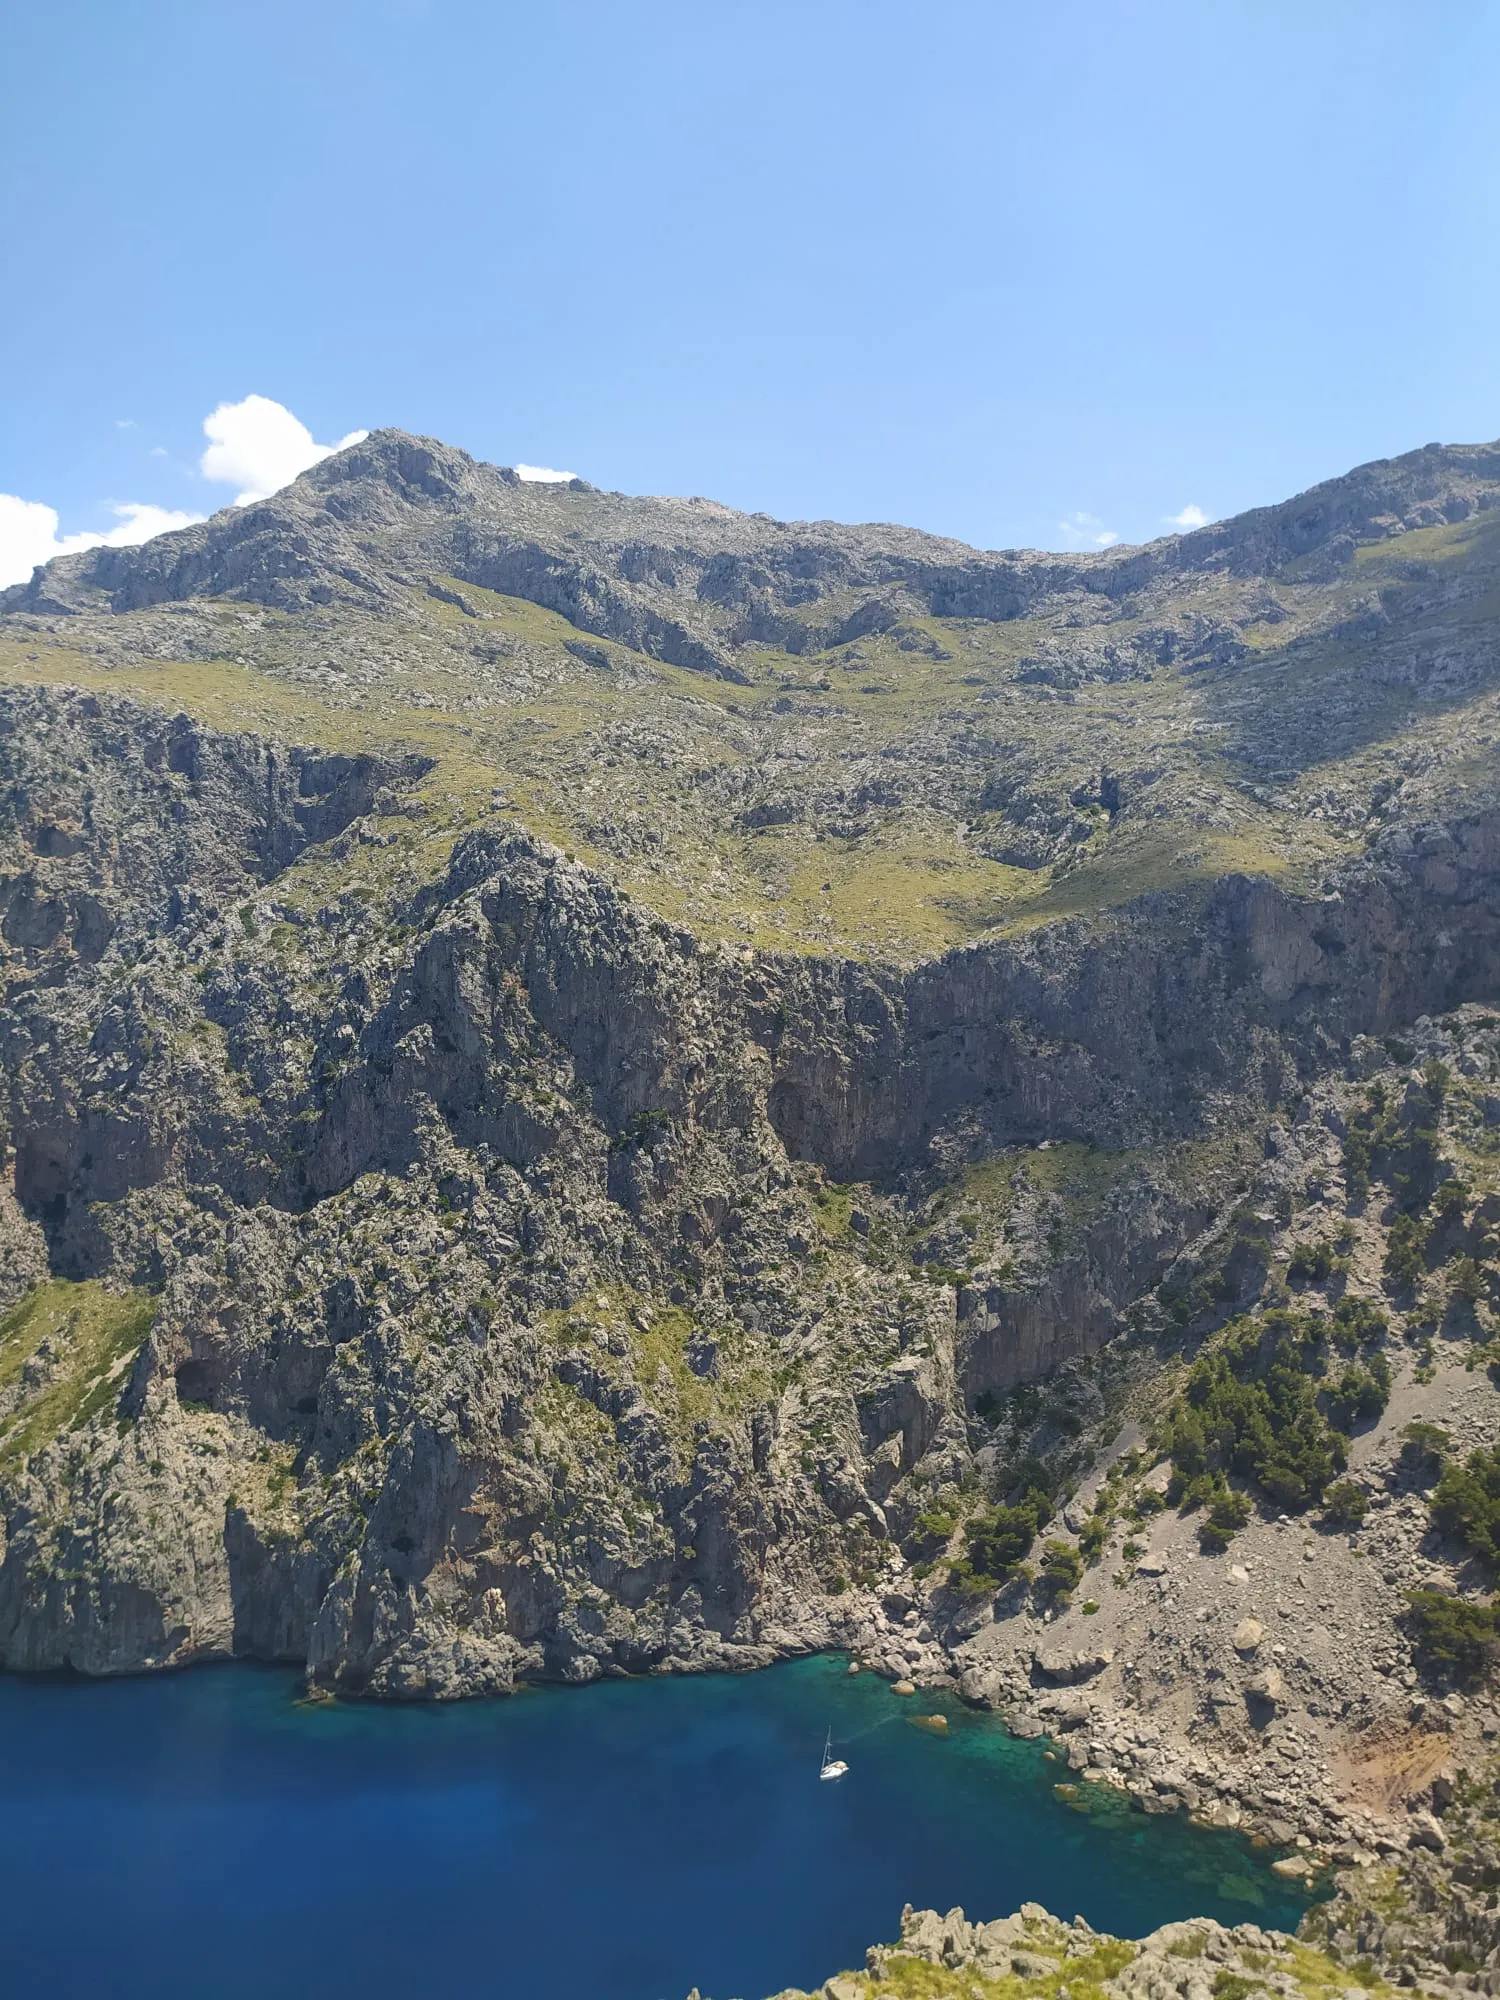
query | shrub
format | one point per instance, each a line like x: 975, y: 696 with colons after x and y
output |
x: 1416, y: 1158
x: 1357, y: 1163
x: 1232, y: 1986
x: 1467, y: 1281
x: 1359, y: 1393
x: 1032, y: 1485
x: 1367, y: 1129
x: 1405, y: 1248
x: 936, y: 1525
x: 1310, y: 1262
x: 1062, y: 1566
x: 1451, y: 1200
x: 1198, y: 1491
x: 997, y: 1539
x: 1404, y: 1139
x: 1345, y: 1503
x: 1453, y: 1631
x: 1227, y: 1512
x: 1358, y: 1323
x: 1467, y: 1504
x: 969, y: 1581
x: 1250, y: 1407
x: 1422, y: 1448
x: 1094, y: 1536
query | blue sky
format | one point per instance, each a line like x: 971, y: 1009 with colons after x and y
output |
x: 1026, y: 274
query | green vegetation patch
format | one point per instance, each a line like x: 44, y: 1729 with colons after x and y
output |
x: 1263, y: 1405
x: 997, y: 1542
x: 75, y: 1342
x: 1081, y: 1975
x: 1398, y: 1142
x: 1454, y: 1631
x: 659, y: 1342
x: 1467, y: 1504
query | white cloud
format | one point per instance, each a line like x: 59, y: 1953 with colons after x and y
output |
x: 1191, y: 517
x: 542, y: 475
x: 28, y: 533
x: 142, y: 521
x: 1086, y: 531
x: 259, y: 446
x: 255, y: 445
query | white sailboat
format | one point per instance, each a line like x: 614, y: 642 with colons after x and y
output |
x: 831, y: 1767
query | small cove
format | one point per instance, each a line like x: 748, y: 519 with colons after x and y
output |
x: 203, y: 1833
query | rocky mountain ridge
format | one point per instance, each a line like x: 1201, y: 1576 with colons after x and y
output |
x: 692, y: 581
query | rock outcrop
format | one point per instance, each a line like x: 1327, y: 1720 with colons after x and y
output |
x: 1035, y: 1954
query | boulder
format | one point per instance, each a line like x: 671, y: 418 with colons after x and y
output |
x: 1248, y: 1635
x: 1268, y: 1689
x: 1070, y: 1711
x: 980, y: 1686
x: 1160, y: 1802
x: 1065, y: 1668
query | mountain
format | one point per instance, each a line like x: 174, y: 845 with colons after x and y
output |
x: 597, y: 1085
x: 816, y: 736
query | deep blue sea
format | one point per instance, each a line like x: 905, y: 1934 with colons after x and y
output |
x: 203, y: 1835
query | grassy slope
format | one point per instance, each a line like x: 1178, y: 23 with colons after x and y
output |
x: 1367, y: 697
x: 85, y: 1339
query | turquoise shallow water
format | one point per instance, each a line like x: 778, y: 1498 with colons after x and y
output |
x: 203, y: 1835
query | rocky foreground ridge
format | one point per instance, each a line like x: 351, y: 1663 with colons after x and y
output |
x: 484, y: 1200
x: 1035, y: 1955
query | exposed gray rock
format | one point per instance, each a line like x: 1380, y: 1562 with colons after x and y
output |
x: 1067, y: 1667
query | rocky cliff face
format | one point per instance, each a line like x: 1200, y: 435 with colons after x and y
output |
x: 493, y: 1328
x: 432, y: 1263
x: 1117, y: 1033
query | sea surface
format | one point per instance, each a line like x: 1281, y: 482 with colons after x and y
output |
x: 203, y: 1834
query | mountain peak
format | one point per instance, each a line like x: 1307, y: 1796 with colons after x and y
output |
x: 692, y: 581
